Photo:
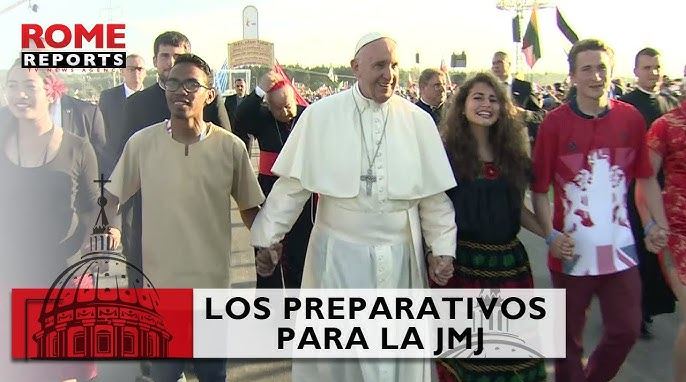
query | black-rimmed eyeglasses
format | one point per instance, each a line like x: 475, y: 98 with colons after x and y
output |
x: 190, y: 86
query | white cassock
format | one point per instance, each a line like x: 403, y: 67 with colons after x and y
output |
x: 361, y: 240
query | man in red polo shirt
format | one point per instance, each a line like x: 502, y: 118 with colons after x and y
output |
x: 590, y: 149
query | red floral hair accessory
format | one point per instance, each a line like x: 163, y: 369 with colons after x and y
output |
x: 54, y: 87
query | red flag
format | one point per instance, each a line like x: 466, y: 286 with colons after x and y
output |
x: 298, y: 98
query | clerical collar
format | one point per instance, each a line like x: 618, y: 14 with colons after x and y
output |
x: 646, y: 91
x: 365, y: 102
x: 430, y: 105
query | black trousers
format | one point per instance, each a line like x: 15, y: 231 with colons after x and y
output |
x: 657, y: 297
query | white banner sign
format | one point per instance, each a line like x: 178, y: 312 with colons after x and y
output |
x: 250, y: 27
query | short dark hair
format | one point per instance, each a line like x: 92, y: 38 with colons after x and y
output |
x: 586, y: 45
x: 650, y: 52
x: 190, y: 58
x: 171, y: 38
x: 503, y: 54
x: 428, y: 74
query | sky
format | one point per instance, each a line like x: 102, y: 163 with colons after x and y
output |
x: 320, y: 32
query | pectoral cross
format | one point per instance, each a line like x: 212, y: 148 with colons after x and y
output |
x: 369, y: 178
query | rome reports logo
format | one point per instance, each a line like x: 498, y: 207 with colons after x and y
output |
x: 101, y: 307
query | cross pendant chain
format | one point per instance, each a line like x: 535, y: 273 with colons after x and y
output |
x: 369, y: 178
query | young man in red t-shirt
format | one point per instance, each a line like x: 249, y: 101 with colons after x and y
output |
x: 590, y: 149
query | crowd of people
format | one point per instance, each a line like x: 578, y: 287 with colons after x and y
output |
x: 415, y: 194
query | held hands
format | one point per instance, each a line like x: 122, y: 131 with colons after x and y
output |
x: 114, y: 238
x: 562, y: 246
x: 266, y: 259
x: 113, y: 241
x: 656, y: 238
x: 440, y: 269
x: 268, y: 80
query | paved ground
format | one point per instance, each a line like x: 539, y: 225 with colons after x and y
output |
x: 649, y: 361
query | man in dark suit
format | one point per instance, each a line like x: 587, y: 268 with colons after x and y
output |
x: 111, y: 104
x: 231, y: 103
x: 647, y: 99
x: 85, y: 120
x: 432, y: 93
x: 523, y: 95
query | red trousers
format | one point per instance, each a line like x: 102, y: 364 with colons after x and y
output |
x: 619, y: 295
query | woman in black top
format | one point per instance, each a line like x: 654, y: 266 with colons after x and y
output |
x: 48, y: 201
x: 486, y: 146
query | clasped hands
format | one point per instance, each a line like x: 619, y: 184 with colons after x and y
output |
x: 656, y: 238
x: 440, y: 268
x: 562, y: 246
x: 113, y: 241
x: 266, y: 259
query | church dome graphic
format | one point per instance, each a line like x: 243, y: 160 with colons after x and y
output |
x: 498, y: 342
x: 82, y: 319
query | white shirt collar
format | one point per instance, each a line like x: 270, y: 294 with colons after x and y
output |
x: 128, y: 91
x: 646, y: 91
x: 432, y: 106
x: 56, y: 112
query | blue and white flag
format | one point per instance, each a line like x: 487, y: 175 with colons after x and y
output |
x: 221, y: 78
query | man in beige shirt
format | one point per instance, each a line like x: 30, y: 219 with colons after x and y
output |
x: 187, y: 171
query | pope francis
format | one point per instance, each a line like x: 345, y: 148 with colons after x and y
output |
x: 379, y: 167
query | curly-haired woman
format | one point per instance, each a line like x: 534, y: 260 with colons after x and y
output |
x: 487, y: 149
